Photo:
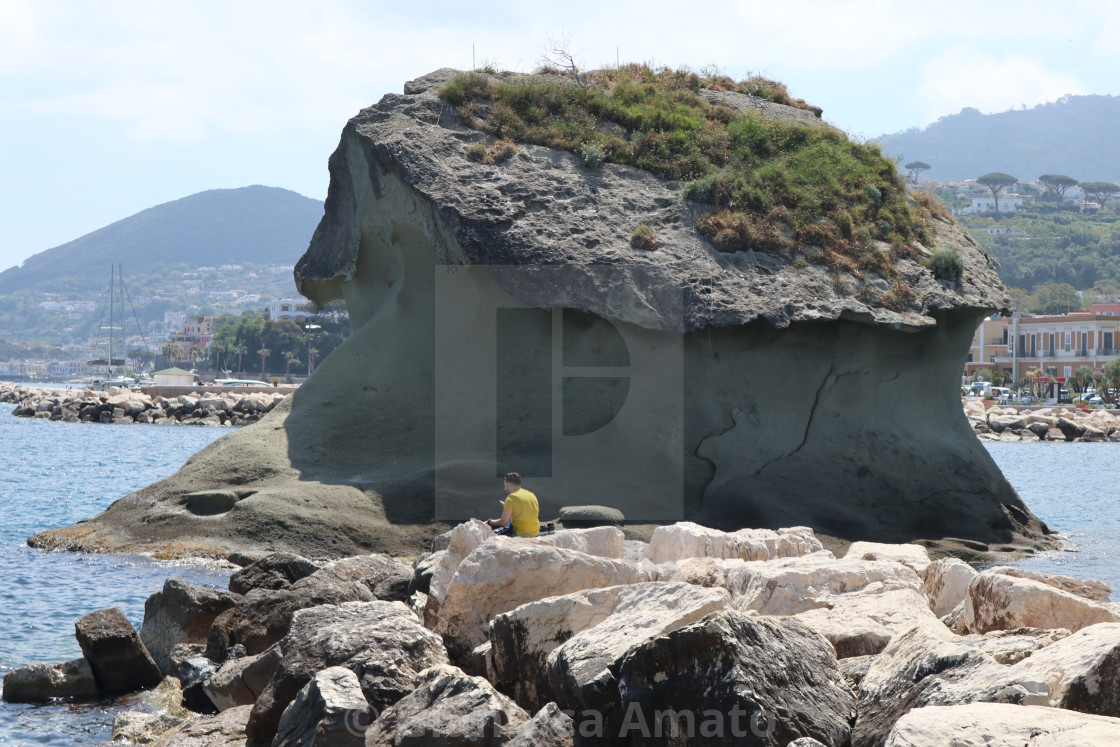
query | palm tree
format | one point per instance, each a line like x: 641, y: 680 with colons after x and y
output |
x: 263, y: 353
x: 239, y: 350
x: 311, y: 353
x: 292, y: 360
x: 195, y: 352
x: 173, y: 352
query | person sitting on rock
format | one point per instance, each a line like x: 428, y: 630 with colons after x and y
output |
x: 521, y: 515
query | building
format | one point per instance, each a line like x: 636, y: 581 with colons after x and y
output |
x: 1057, y: 345
x: 195, y: 331
x: 296, y: 309
x: 987, y: 204
x: 174, y: 377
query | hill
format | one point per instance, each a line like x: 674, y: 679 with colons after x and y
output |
x: 259, y: 225
x: 1074, y: 136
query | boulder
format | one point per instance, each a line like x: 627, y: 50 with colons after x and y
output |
x: 582, y: 517
x: 465, y: 538
x: 139, y: 727
x: 330, y: 711
x: 40, y: 683
x: 241, y: 681
x: 550, y: 727
x: 387, y: 579
x: 915, y: 557
x: 1097, y: 591
x: 450, y: 708
x: 1001, y: 724
x: 272, y: 572
x: 119, y: 661
x: 1069, y: 429
x: 688, y: 540
x: 227, y: 729
x: 863, y: 623
x: 606, y: 542
x: 381, y: 642
x: 264, y: 617
x: 1083, y: 670
x: 422, y: 571
x: 505, y: 573
x: 854, y: 669
x: 793, y: 585
x: 946, y: 584
x: 1012, y: 646
x: 180, y: 613
x: 611, y: 620
x: 193, y: 674
x: 997, y: 601
x: 740, y: 679
x: 927, y: 665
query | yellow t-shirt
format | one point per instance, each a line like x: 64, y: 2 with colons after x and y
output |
x: 525, y: 512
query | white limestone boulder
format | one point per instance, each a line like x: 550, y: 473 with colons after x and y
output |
x: 998, y: 601
x: 688, y: 540
x: 915, y: 557
x: 998, y: 724
x: 946, y: 584
x: 927, y: 665
x: 1083, y: 670
x: 505, y: 573
x: 464, y: 539
x: 863, y: 623
x: 1097, y: 591
x: 620, y: 616
x: 606, y: 542
x: 793, y: 585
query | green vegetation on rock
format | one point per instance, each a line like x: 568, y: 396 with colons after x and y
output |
x: 771, y: 184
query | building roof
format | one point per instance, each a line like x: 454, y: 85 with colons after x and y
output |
x: 172, y: 372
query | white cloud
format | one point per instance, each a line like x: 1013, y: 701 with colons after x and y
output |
x: 963, y: 77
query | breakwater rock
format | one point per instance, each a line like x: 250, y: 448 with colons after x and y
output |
x: 1010, y: 423
x: 125, y: 406
x: 756, y: 637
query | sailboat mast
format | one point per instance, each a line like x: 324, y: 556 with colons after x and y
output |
x: 112, y: 275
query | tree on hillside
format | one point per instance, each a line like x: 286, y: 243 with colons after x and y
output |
x: 1099, y: 192
x: 915, y: 168
x: 1057, y: 298
x: 1057, y: 184
x: 996, y: 182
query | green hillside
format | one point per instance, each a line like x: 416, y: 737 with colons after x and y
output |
x: 1075, y: 135
x: 258, y: 225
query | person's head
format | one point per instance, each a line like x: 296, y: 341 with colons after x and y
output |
x: 513, y: 482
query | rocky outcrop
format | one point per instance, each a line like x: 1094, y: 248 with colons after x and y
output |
x: 701, y: 339
x: 1000, y: 724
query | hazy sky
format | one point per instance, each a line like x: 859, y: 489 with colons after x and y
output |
x: 110, y: 107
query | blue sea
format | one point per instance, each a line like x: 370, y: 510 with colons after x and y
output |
x: 53, y: 474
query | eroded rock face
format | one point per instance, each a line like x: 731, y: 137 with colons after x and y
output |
x: 180, y: 613
x: 404, y: 199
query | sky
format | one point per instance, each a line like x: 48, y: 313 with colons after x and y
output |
x: 111, y: 107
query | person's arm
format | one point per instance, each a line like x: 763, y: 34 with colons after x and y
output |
x: 507, y: 515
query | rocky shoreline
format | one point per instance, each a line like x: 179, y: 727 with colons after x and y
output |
x: 1010, y: 423
x: 754, y: 637
x: 125, y: 406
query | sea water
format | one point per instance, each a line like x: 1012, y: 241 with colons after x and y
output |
x: 54, y: 474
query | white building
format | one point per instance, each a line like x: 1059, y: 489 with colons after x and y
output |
x: 296, y: 309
